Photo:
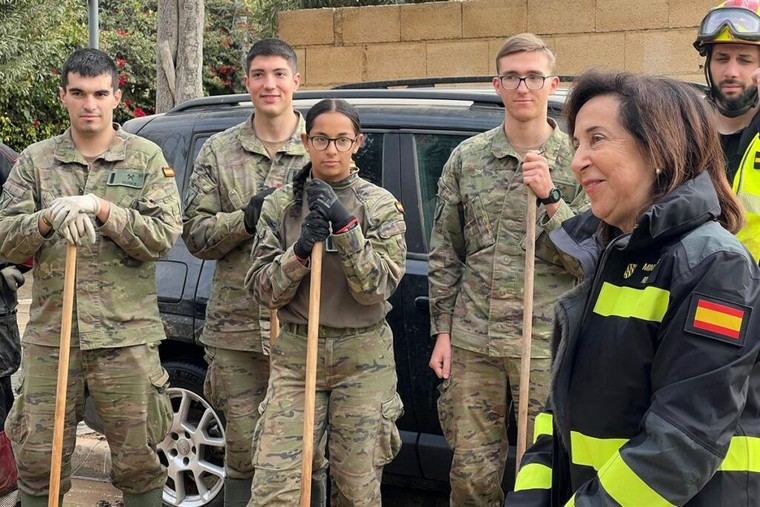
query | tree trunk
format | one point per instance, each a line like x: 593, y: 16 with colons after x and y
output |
x: 179, y: 59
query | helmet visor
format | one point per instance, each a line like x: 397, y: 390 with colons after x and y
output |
x: 741, y: 23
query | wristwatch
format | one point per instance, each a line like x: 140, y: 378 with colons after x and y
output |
x: 554, y: 196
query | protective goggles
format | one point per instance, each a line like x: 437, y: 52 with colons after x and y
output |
x: 741, y: 23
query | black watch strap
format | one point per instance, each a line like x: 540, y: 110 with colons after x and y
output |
x: 554, y: 196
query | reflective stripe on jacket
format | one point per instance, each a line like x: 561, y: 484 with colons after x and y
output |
x: 655, y: 395
x: 746, y: 186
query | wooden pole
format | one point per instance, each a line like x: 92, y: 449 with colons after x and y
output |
x: 63, y: 374
x: 274, y: 328
x: 310, y: 392
x: 530, y: 259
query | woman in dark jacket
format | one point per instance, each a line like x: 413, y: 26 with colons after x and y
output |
x: 655, y: 396
x: 10, y: 347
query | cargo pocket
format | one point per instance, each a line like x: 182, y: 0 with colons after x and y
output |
x: 211, y: 388
x: 476, y: 221
x: 257, y: 429
x: 160, y: 413
x: 17, y: 423
x: 388, y: 439
x: 446, y: 412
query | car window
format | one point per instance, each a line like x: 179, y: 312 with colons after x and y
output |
x: 431, y: 152
x: 369, y: 159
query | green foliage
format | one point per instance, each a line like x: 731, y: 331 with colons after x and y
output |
x: 228, y: 35
x: 29, y: 58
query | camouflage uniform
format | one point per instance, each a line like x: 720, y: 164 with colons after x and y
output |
x: 356, y: 376
x: 231, y: 167
x: 476, y: 282
x: 115, y: 323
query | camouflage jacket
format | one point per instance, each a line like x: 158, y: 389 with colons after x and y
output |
x: 115, y: 304
x: 231, y: 167
x: 477, y: 246
x: 361, y: 267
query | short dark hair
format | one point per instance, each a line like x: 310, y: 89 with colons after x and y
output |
x: 272, y: 47
x: 89, y: 62
x: 673, y: 127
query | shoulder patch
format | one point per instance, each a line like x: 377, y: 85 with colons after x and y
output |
x: 168, y: 171
x: 400, y: 207
x: 717, y: 319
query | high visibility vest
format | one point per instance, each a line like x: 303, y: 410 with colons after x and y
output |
x: 746, y: 186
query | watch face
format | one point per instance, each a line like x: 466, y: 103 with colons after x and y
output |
x: 555, y: 195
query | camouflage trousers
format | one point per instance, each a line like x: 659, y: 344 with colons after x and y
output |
x: 236, y: 382
x: 356, y: 411
x: 128, y: 387
x: 473, y: 412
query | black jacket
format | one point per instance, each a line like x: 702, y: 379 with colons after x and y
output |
x: 10, y: 347
x: 655, y: 396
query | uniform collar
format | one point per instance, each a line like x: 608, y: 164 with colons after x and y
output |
x: 688, y: 206
x: 500, y: 146
x: 66, y: 152
x: 345, y: 182
x: 293, y: 146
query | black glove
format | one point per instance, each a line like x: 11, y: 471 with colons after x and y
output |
x: 253, y: 210
x: 315, y: 228
x: 322, y: 198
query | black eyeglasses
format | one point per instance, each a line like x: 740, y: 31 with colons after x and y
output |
x: 532, y: 81
x: 341, y: 143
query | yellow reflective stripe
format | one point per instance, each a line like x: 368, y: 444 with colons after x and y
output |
x: 533, y: 476
x: 542, y: 426
x: 571, y: 502
x: 743, y: 455
x: 627, y: 488
x: 650, y: 303
x: 591, y: 451
x: 746, y: 186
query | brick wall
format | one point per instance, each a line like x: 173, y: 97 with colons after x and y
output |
x: 461, y: 38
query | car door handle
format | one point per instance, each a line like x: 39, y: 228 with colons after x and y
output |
x: 422, y: 302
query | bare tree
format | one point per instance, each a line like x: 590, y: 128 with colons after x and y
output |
x: 179, y: 59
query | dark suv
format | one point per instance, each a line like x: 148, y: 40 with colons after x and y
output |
x: 410, y: 134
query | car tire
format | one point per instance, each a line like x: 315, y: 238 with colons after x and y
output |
x: 193, y: 450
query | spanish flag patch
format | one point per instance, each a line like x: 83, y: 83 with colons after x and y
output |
x: 717, y: 319
x: 168, y: 172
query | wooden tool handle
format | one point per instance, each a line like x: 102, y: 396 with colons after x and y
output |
x: 530, y: 259
x: 312, y: 343
x: 69, y: 279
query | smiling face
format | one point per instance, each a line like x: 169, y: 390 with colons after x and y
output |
x: 331, y: 164
x: 271, y: 83
x: 523, y: 104
x: 90, y: 102
x: 609, y: 164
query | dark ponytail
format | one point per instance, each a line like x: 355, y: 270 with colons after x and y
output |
x: 323, y: 106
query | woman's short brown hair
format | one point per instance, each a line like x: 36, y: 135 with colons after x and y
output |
x: 673, y: 125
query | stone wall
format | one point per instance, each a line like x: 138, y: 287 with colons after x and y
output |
x: 461, y: 38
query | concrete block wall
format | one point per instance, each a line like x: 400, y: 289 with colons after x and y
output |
x: 459, y: 38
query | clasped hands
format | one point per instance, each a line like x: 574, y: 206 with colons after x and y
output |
x: 72, y: 216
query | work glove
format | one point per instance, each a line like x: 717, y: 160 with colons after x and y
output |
x: 321, y: 198
x: 315, y: 228
x: 78, y: 229
x: 12, y: 277
x: 67, y: 208
x: 253, y: 209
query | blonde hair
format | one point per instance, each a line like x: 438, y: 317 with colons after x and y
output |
x: 525, y: 42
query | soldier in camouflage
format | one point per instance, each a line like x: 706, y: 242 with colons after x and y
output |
x: 477, y: 268
x: 233, y: 172
x: 112, y: 195
x: 363, y: 226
